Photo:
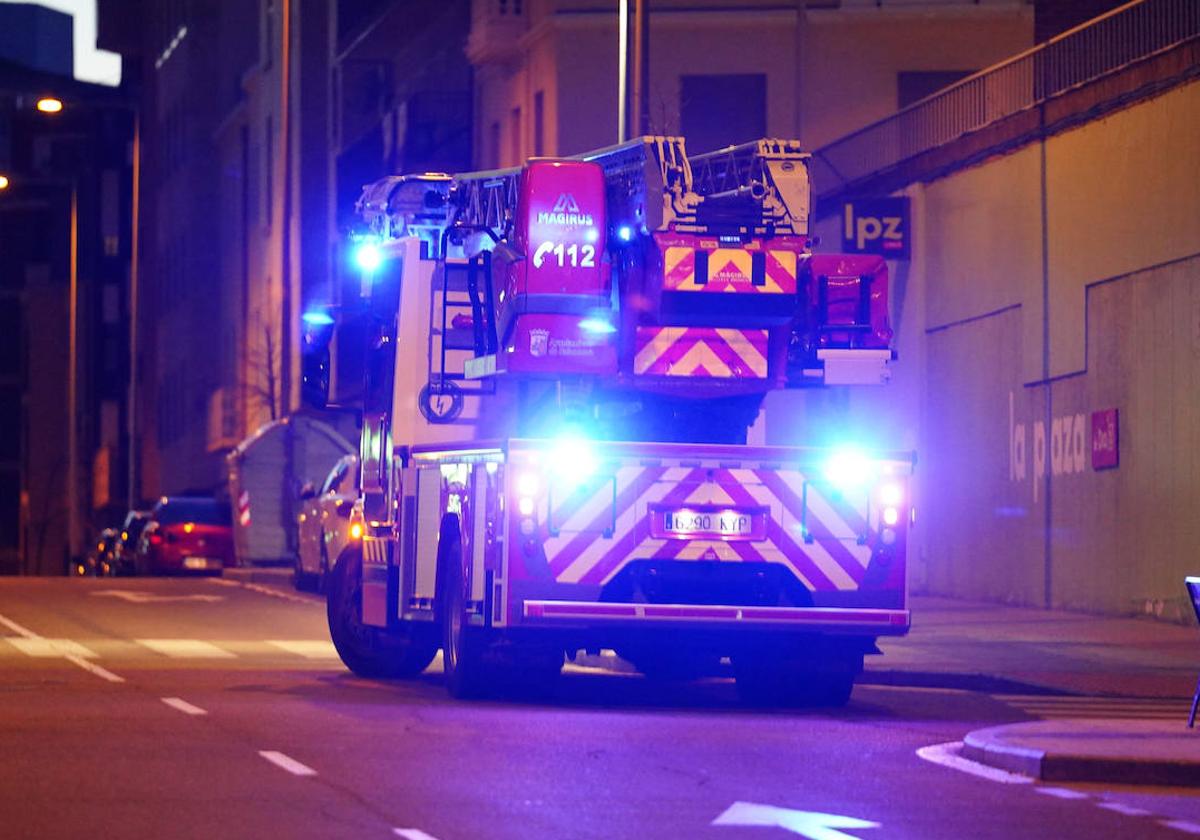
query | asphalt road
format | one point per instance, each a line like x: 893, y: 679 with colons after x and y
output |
x: 217, y: 709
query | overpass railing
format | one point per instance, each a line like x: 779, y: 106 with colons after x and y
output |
x: 1127, y: 34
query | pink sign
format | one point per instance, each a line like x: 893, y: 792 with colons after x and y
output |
x: 1105, y: 440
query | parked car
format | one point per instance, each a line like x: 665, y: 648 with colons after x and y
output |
x: 186, y: 535
x: 125, y: 546
x: 324, y: 523
x: 100, y: 557
x: 95, y: 563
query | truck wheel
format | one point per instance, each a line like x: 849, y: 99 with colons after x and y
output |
x: 462, y: 649
x: 371, y: 651
x: 761, y: 682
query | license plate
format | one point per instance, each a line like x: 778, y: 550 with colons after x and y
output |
x: 198, y: 562
x: 709, y: 523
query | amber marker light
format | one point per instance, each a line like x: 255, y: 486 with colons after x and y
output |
x: 49, y: 105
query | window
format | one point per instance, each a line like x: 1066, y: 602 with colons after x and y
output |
x: 516, y: 135
x: 268, y: 171
x: 539, y: 124
x: 717, y: 111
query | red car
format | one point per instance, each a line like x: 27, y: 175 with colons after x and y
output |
x: 186, y: 535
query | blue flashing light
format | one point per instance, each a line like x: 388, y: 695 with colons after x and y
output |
x: 367, y: 256
x: 849, y: 469
x: 317, y: 319
x: 597, y: 326
x: 572, y: 461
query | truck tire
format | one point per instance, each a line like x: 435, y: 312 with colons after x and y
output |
x: 761, y: 682
x: 369, y: 651
x: 462, y: 647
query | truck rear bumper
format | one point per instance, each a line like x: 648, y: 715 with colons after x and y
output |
x: 875, y: 622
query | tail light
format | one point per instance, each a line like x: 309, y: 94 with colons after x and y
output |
x: 156, y: 539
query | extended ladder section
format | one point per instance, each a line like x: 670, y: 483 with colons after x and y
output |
x: 639, y: 267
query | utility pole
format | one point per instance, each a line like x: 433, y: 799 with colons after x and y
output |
x: 640, y: 116
x: 285, y: 232
x: 622, y: 71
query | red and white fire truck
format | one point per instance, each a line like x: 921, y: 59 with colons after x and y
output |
x: 564, y: 361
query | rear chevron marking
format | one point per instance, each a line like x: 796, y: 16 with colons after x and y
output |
x: 625, y: 499
x: 617, y: 555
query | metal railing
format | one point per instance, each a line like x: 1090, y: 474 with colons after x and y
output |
x: 1127, y: 34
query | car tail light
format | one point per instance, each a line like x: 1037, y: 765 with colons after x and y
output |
x: 156, y: 539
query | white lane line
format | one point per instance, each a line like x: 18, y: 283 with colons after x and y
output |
x: 18, y: 629
x: 266, y: 590
x: 73, y: 658
x: 947, y: 755
x: 45, y: 648
x: 182, y: 705
x: 316, y: 649
x: 93, y: 668
x: 412, y: 834
x: 287, y: 763
x: 1062, y: 793
x: 185, y: 648
x: 1181, y: 825
x: 1122, y: 808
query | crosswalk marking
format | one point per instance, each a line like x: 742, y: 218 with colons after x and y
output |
x: 185, y: 648
x: 45, y: 648
x: 307, y: 649
x: 1127, y: 708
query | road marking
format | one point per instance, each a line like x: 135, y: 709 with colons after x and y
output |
x: 18, y: 629
x: 74, y: 659
x: 40, y: 646
x: 1122, y: 808
x: 1181, y: 825
x: 93, y: 668
x: 287, y: 763
x: 316, y: 649
x: 1132, y: 708
x: 266, y: 590
x: 412, y: 834
x: 811, y: 824
x: 185, y: 648
x: 183, y: 706
x: 947, y: 755
x: 1062, y: 793
x: 135, y: 597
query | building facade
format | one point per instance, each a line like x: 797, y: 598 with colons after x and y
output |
x: 546, y: 70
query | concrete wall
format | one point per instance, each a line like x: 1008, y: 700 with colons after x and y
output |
x: 1056, y: 281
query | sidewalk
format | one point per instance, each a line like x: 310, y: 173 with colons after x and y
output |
x: 1015, y: 650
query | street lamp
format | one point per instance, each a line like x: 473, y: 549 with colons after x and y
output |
x: 3, y: 182
x: 53, y: 105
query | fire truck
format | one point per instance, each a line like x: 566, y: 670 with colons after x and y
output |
x: 563, y: 363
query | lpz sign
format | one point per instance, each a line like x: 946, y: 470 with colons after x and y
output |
x: 876, y: 226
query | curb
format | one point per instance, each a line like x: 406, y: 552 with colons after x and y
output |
x: 995, y: 748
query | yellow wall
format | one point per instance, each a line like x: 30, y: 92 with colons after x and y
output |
x: 1122, y: 194
x: 1001, y: 517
